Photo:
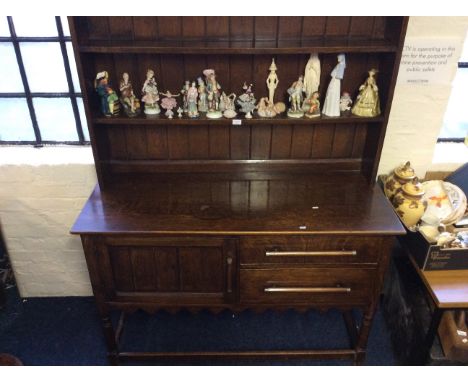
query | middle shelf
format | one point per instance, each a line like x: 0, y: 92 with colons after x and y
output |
x: 203, y: 121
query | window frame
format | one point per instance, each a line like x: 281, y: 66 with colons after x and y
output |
x: 461, y: 65
x: 28, y: 95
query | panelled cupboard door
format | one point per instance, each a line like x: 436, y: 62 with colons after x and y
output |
x: 168, y: 271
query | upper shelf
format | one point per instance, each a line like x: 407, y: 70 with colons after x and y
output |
x: 219, y: 46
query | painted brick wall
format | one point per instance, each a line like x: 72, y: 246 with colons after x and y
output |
x: 42, y: 191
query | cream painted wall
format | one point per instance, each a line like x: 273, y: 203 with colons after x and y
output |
x: 418, y: 111
x: 43, y: 190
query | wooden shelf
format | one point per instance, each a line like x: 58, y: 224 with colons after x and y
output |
x: 244, y: 47
x: 203, y: 121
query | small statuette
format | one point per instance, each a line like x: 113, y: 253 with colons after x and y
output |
x: 109, y: 101
x: 367, y: 102
x: 272, y: 81
x: 202, y: 96
x: 184, y: 92
x: 345, y: 103
x: 313, y: 105
x: 130, y: 103
x: 213, y: 89
x: 150, y: 94
x: 331, y: 106
x: 247, y: 101
x: 179, y: 112
x: 296, y: 98
x: 169, y: 103
x: 267, y: 109
x: 229, y: 105
x: 192, y: 96
x: 311, y: 77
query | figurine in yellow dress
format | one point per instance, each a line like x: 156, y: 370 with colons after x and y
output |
x: 367, y: 102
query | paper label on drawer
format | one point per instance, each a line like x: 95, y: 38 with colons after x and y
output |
x: 237, y: 122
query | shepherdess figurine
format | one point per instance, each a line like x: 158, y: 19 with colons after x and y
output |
x: 331, y: 107
x: 150, y: 94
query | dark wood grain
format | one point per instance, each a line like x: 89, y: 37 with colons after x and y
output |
x: 203, y: 214
x: 132, y: 208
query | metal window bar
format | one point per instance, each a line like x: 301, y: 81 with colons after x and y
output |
x: 61, y: 39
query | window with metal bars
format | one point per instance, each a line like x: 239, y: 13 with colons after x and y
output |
x: 40, y: 98
x: 455, y: 125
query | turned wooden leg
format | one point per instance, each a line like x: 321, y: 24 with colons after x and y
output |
x: 109, y: 334
x: 351, y: 327
x: 364, y: 335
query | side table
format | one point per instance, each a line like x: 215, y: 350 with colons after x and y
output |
x: 446, y: 290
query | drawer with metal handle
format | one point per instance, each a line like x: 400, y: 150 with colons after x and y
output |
x: 307, y: 285
x: 319, y: 249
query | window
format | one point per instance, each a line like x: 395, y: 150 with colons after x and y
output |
x: 455, y: 125
x: 40, y: 98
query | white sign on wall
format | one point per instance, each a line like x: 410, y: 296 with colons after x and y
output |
x: 429, y: 61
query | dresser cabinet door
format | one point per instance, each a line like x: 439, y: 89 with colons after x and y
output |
x: 169, y: 270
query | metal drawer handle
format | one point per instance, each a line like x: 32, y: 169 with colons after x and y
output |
x: 311, y: 253
x: 307, y: 290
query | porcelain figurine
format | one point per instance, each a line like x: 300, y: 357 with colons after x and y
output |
x: 184, y: 92
x: 247, y: 101
x: 213, y: 89
x: 345, y: 103
x: 400, y: 176
x: 267, y: 109
x: 202, y: 96
x: 150, y: 94
x: 408, y: 203
x: 192, y: 96
x: 331, y: 106
x: 311, y: 77
x: 169, y: 103
x: 296, y: 97
x: 367, y: 102
x: 179, y: 112
x: 229, y: 105
x: 109, y: 101
x: 130, y: 103
x: 313, y: 105
x: 272, y: 81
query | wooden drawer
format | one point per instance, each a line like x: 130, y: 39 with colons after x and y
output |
x: 307, y: 285
x: 319, y: 249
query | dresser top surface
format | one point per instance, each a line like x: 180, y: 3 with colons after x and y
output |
x: 228, y: 205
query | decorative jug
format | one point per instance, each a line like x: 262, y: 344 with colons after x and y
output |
x: 408, y: 202
x: 400, y: 176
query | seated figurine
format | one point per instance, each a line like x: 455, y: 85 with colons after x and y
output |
x: 109, y: 101
x: 313, y: 106
x: 130, y: 103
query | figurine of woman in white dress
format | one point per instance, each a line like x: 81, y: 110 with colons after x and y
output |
x: 331, y: 107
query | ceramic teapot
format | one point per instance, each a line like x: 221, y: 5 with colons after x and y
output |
x: 400, y: 176
x: 408, y: 202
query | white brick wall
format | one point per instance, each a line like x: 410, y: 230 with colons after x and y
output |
x: 38, y: 205
x: 42, y: 191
